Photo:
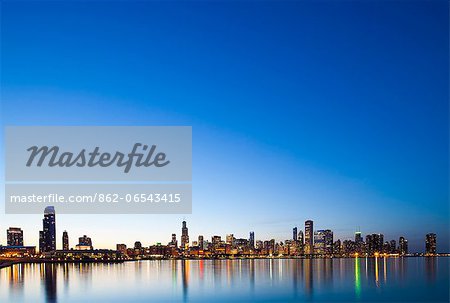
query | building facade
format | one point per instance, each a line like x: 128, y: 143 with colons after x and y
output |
x: 47, y: 237
x: 65, y: 240
x: 430, y: 244
x: 309, y: 240
x: 14, y: 236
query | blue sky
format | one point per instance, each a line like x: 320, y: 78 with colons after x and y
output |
x: 335, y: 111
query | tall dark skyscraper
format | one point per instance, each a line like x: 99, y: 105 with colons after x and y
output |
x: 294, y: 234
x: 47, y: 240
x: 309, y: 237
x: 358, y: 242
x: 252, y: 239
x: 14, y: 236
x: 65, y: 240
x: 358, y: 237
x: 184, y: 236
x: 430, y: 244
x: 402, y: 246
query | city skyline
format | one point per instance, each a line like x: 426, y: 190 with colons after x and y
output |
x: 284, y: 129
x: 317, y: 242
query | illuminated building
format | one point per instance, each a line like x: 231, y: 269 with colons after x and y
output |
x: 309, y: 240
x: 122, y: 248
x: 241, y: 243
x: 430, y: 244
x: 230, y: 240
x: 259, y: 245
x: 348, y: 248
x: 85, y: 241
x: 174, y: 242
x: 337, y: 248
x: 65, y: 241
x: 403, y: 246
x: 294, y: 234
x: 252, y: 239
x: 41, y: 241
x: 216, y: 240
x: 14, y: 236
x: 88, y: 255
x: 393, y: 247
x: 17, y: 251
x: 300, y: 237
x: 201, y: 243
x: 359, y: 243
x: 184, y: 236
x: 374, y: 243
x: 323, y: 242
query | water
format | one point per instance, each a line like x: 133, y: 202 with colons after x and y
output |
x: 392, y: 279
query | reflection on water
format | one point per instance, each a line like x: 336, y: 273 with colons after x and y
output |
x: 430, y: 268
x: 359, y: 279
x: 48, y: 278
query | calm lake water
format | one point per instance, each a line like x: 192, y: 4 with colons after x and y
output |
x: 392, y: 279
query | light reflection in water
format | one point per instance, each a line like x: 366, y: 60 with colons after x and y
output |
x: 357, y: 279
x: 376, y: 272
x: 228, y: 280
x: 185, y: 277
x: 430, y: 269
x: 49, y: 282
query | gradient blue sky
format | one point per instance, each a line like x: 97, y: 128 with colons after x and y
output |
x: 335, y: 111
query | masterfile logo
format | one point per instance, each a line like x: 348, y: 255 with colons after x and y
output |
x: 52, y: 157
x: 98, y: 153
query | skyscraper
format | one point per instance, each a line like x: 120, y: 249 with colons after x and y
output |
x: 358, y: 242
x: 49, y: 231
x: 300, y: 237
x: 374, y: 243
x: 329, y: 242
x: 201, y: 242
x: 323, y: 242
x: 319, y: 242
x: 14, y: 236
x: 41, y: 241
x: 294, y: 234
x: 358, y: 237
x: 252, y: 239
x: 230, y: 239
x: 430, y: 244
x: 309, y: 240
x: 393, y: 247
x: 65, y: 240
x: 184, y: 236
x: 174, y: 242
x: 402, y: 246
